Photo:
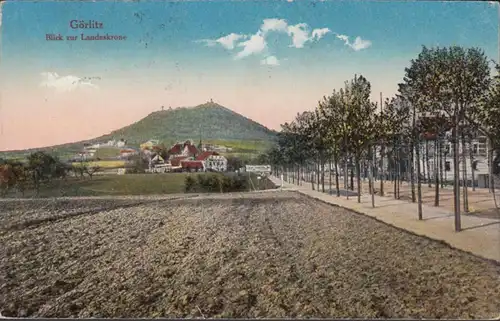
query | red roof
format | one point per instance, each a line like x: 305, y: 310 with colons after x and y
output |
x: 178, y: 148
x: 192, y: 164
x: 176, y: 161
x: 192, y: 150
x: 205, y: 155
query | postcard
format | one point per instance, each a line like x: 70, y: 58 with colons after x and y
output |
x: 249, y: 159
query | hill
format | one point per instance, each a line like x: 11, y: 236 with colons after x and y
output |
x: 210, y: 121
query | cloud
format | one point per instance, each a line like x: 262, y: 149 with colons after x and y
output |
x: 357, y: 45
x: 299, y: 34
x: 360, y: 44
x: 256, y: 44
x: 65, y: 83
x: 317, y: 34
x: 228, y: 42
x: 270, y: 61
x: 274, y: 25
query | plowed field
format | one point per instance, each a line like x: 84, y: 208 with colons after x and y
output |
x: 275, y: 254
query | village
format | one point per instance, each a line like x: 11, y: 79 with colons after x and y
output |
x: 181, y: 157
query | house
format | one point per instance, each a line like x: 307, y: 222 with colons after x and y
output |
x: 149, y: 144
x: 84, y: 155
x: 187, y: 149
x: 193, y: 166
x: 157, y: 160
x: 90, y: 146
x: 176, y: 161
x: 127, y: 152
x: 121, y: 143
x: 158, y: 165
x: 213, y: 161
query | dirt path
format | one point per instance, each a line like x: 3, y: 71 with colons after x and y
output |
x: 253, y: 255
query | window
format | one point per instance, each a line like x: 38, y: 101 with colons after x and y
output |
x: 447, y: 149
x: 474, y: 149
x: 447, y: 166
x: 474, y: 165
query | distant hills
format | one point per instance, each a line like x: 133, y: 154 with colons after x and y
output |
x: 209, y: 121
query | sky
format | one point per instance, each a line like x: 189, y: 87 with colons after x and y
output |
x: 267, y: 60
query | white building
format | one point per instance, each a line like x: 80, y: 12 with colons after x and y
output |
x: 215, y: 163
x: 479, y: 160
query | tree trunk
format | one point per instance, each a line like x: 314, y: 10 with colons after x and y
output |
x: 412, y: 171
x: 369, y: 173
x: 424, y: 163
x: 358, y: 176
x: 399, y: 173
x: 471, y: 159
x: 330, y: 176
x: 456, y: 172
x: 352, y: 174
x: 382, y: 176
x: 464, y: 179
x: 419, y: 182
x: 346, y: 182
x: 318, y: 176
x: 427, y: 163
x: 313, y: 176
x: 395, y: 169
x: 322, y: 163
x: 436, y: 171
x: 372, y: 189
x: 337, y: 176
x: 491, y: 188
x: 441, y: 163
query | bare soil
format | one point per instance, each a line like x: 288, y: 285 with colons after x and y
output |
x: 255, y: 255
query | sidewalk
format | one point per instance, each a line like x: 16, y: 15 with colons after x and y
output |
x: 481, y: 201
x: 480, y: 236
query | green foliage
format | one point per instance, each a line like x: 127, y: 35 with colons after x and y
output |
x: 449, y: 80
x: 38, y: 169
x: 216, y: 183
x: 234, y: 163
x: 139, y: 165
x: 189, y: 184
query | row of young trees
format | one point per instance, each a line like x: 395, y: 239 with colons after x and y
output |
x: 447, y: 95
